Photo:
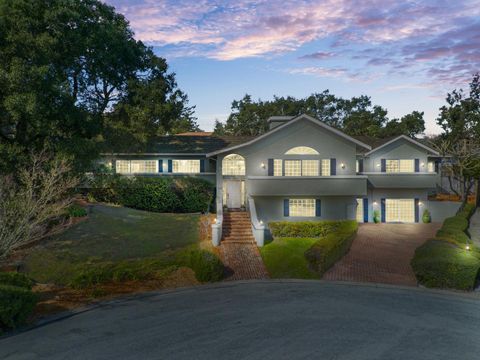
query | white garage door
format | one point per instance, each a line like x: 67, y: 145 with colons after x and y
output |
x: 400, y: 210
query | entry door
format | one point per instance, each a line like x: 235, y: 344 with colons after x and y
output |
x: 400, y: 210
x: 234, y: 194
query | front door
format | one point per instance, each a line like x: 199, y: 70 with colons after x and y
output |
x: 234, y: 194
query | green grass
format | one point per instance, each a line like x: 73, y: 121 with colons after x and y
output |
x: 284, y: 258
x: 111, y: 234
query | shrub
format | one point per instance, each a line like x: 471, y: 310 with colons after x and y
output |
x: 16, y: 304
x: 76, y: 211
x: 467, y: 211
x: 206, y: 265
x: 426, y: 217
x: 443, y: 265
x: 376, y: 216
x: 330, y: 248
x: 196, y: 195
x: 16, y: 279
x: 303, y: 229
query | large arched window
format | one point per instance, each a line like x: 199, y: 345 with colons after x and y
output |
x: 302, y: 150
x: 233, y: 164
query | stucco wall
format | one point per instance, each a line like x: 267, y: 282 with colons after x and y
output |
x: 440, y: 210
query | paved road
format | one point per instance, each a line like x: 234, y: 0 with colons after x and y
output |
x: 265, y: 320
x: 381, y: 253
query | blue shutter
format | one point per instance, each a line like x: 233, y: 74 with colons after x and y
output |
x: 202, y: 166
x: 417, y: 165
x: 383, y: 163
x: 160, y: 166
x: 170, y: 166
x: 417, y: 210
x: 286, y: 208
x: 333, y: 166
x: 383, y: 210
x: 270, y: 167
x: 365, y: 210
x: 437, y: 166
x: 360, y: 165
x: 318, y: 207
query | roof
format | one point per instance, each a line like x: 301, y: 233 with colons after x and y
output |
x: 402, y: 137
x: 289, y: 123
x: 196, y: 133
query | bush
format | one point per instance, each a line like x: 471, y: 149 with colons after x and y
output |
x: 303, y: 229
x: 467, y: 211
x: 76, y: 211
x: 206, y: 265
x: 330, y: 248
x: 16, y: 304
x: 443, y: 265
x: 16, y: 279
x: 376, y: 216
x: 426, y: 217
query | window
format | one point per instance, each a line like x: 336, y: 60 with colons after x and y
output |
x: 402, y: 166
x: 302, y: 207
x: 136, y: 166
x: 309, y: 167
x: 431, y: 166
x: 400, y: 210
x: 302, y: 150
x: 326, y: 167
x: 293, y: 168
x: 360, y: 210
x: 186, y: 166
x: 357, y: 166
x: 277, y: 167
x: 233, y: 164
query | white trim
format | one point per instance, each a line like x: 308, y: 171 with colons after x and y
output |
x: 153, y: 154
x: 399, y: 173
x: 288, y: 123
x: 332, y: 177
x: 405, y: 138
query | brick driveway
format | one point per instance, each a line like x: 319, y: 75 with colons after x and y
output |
x: 381, y: 253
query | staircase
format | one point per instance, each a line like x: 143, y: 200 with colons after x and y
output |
x: 237, y: 227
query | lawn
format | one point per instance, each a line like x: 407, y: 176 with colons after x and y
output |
x: 284, y: 258
x: 111, y: 234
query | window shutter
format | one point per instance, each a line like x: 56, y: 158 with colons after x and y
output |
x: 417, y: 165
x: 160, y: 166
x: 383, y: 163
x: 286, y: 208
x: 333, y: 166
x: 365, y: 210
x: 170, y: 166
x: 270, y: 167
x: 383, y: 210
x: 437, y: 166
x: 360, y: 165
x: 417, y: 210
x: 202, y: 166
x: 318, y: 207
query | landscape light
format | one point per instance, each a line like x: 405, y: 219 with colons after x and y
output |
x: 467, y: 247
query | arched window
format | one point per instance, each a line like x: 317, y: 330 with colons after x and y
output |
x: 233, y: 164
x: 302, y: 150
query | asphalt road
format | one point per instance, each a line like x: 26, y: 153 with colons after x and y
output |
x: 264, y: 320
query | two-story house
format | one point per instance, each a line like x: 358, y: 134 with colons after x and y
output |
x: 300, y: 169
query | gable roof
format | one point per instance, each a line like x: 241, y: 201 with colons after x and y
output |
x: 289, y: 123
x: 387, y: 142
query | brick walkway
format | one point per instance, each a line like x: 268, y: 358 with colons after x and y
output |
x: 381, y: 253
x: 243, y: 261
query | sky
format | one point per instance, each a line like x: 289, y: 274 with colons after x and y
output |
x: 405, y: 54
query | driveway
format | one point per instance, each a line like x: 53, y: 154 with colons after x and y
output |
x: 265, y: 320
x: 381, y: 253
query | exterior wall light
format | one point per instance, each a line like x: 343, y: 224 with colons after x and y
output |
x: 215, y: 220
x: 375, y: 203
x: 342, y: 165
x: 378, y: 165
x: 423, y: 164
x: 262, y: 165
x: 420, y: 203
x: 261, y: 222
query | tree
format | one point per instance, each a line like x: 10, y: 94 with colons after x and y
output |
x: 411, y: 125
x: 32, y: 198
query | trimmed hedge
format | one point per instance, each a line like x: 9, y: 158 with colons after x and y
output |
x: 16, y: 304
x: 303, y: 229
x: 162, y: 194
x: 16, y: 279
x: 206, y: 265
x: 444, y: 261
x: 331, y: 247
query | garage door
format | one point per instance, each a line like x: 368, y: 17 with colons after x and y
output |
x: 399, y: 210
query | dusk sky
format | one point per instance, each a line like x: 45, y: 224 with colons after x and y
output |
x: 404, y: 54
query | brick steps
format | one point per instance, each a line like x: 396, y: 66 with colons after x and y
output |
x: 237, y: 228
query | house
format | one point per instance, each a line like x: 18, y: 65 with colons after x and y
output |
x: 300, y: 169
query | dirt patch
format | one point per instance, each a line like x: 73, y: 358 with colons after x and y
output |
x: 55, y: 299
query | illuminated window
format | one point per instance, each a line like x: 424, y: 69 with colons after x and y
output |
x: 309, y: 167
x: 357, y: 166
x: 277, y: 167
x: 400, y: 210
x: 402, y: 166
x: 293, y: 168
x: 392, y: 166
x: 136, y: 166
x: 407, y: 165
x: 302, y: 207
x: 360, y: 210
x: 233, y: 164
x: 186, y: 166
x: 302, y: 150
x: 431, y: 166
x: 326, y: 167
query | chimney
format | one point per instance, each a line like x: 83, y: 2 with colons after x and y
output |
x: 274, y: 121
